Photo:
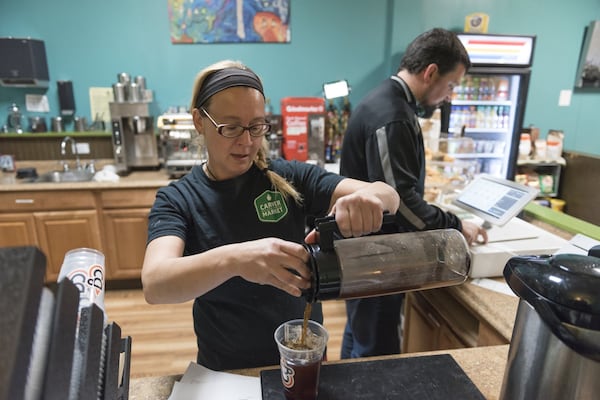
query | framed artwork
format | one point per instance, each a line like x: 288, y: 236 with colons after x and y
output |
x: 229, y: 21
x: 588, y: 71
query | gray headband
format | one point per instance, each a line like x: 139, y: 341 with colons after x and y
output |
x: 225, y: 79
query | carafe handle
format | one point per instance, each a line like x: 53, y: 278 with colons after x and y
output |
x: 329, y: 231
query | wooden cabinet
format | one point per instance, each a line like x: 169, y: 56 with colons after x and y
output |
x: 125, y: 215
x: 114, y: 221
x: 435, y: 320
x: 18, y: 229
x: 61, y: 231
x: 54, y: 222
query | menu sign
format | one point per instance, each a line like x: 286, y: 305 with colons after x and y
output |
x: 498, y: 50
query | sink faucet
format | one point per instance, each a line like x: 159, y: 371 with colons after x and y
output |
x: 63, y: 152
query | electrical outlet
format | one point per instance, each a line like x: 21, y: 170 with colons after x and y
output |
x: 564, y: 99
x: 83, y: 148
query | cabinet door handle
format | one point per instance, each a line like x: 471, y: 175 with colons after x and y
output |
x: 24, y: 201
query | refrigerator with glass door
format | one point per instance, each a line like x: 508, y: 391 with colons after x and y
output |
x: 488, y: 105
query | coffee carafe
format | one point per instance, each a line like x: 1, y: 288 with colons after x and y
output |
x: 554, y: 351
x: 381, y: 264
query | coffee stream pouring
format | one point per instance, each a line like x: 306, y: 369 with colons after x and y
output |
x: 381, y: 264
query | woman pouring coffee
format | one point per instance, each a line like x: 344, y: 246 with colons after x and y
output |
x: 229, y: 234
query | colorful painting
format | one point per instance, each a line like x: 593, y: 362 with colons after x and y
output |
x: 229, y: 21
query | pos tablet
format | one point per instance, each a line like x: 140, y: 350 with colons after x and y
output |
x: 495, y: 200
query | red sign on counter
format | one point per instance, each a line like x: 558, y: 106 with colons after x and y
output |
x: 294, y: 113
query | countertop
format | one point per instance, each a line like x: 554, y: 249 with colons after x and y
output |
x: 135, y: 179
x: 483, y: 365
x: 497, y: 309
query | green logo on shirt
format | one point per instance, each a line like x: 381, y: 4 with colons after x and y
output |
x: 270, y: 206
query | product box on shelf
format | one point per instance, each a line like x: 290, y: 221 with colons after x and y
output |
x: 295, y: 112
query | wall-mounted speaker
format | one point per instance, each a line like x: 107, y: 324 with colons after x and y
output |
x: 66, y: 100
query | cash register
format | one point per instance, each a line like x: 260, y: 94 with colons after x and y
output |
x: 495, y: 203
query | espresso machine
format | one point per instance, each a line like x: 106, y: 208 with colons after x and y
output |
x: 134, y: 140
x: 181, y: 145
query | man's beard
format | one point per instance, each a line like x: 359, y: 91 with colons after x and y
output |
x: 426, y: 111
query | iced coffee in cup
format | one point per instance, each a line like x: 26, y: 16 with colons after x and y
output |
x: 301, y: 355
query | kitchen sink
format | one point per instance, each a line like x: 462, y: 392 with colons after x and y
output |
x: 64, y: 176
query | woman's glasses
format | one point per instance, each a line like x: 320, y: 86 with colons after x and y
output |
x: 234, y: 130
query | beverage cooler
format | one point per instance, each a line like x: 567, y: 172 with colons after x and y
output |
x: 487, y: 107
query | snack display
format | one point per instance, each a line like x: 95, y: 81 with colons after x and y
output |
x: 444, y: 178
x: 456, y: 145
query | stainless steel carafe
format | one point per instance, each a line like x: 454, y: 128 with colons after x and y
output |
x: 56, y: 124
x: 555, y: 347
x: 383, y: 264
x: 37, y: 124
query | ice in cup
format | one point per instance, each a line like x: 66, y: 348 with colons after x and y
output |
x: 300, y: 362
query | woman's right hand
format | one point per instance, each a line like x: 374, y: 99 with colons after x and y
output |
x: 274, y: 262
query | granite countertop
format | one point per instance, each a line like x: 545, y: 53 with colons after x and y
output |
x: 135, y: 179
x: 483, y: 365
x: 497, y: 309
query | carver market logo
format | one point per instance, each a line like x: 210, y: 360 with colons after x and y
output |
x: 270, y: 206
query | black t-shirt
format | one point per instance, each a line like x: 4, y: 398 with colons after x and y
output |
x: 235, y: 322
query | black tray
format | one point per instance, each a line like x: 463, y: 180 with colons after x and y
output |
x: 418, y: 378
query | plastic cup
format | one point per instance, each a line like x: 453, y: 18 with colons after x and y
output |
x: 85, y: 268
x: 300, y: 365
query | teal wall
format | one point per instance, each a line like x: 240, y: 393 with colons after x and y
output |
x: 90, y: 42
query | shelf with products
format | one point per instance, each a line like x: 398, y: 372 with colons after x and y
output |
x: 476, y: 145
x: 474, y: 129
x: 482, y: 103
x: 482, y: 87
x: 477, y: 155
x: 541, y: 174
x: 489, y: 117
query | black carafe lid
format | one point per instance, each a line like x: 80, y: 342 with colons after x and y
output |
x: 326, y: 275
x: 568, y: 285
x: 324, y: 264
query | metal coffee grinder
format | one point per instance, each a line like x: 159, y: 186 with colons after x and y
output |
x: 134, y: 140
